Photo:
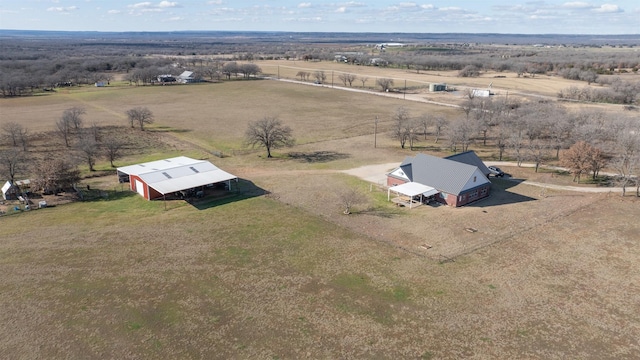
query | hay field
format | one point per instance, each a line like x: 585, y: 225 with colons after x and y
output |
x: 287, y: 276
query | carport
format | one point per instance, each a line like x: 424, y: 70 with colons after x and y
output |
x: 410, y: 190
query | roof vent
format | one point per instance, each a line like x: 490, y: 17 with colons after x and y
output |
x: 194, y: 169
x: 167, y: 175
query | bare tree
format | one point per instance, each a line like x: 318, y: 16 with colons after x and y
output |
x: 439, y: 125
x: 349, y: 198
x: 627, y: 158
x: 461, y: 133
x: 13, y: 130
x: 63, y: 128
x: 537, y: 150
x: 363, y: 80
x: 249, y: 70
x: 141, y: 116
x: 88, y: 150
x: 425, y: 122
x: 469, y: 71
x: 230, y: 68
x: 95, y: 131
x: 269, y: 133
x: 112, y: 149
x: 401, y: 125
x: 347, y: 78
x: 320, y: 77
x: 12, y: 163
x: 56, y: 174
x: 73, y: 116
x: 385, y: 84
x: 303, y: 75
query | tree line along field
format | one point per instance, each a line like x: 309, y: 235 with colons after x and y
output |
x: 286, y: 275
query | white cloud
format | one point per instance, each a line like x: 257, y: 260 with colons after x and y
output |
x: 407, y: 5
x: 168, y: 4
x: 142, y: 5
x: 215, y: 2
x: 149, y: 5
x: 114, y: 12
x: 609, y: 8
x: 62, y: 9
x: 304, y: 5
x: 577, y: 5
x: 427, y: 7
x: 341, y: 9
x: 451, y: 9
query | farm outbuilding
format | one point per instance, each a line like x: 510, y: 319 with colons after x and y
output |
x: 11, y: 191
x: 437, y: 87
x: 156, y: 179
x: 457, y: 183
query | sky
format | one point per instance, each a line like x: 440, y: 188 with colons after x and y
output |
x: 436, y: 16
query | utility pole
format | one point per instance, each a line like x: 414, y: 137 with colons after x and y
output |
x: 375, y: 133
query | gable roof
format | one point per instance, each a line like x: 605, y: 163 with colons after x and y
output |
x: 179, y: 173
x: 186, y: 74
x: 185, y: 177
x: 445, y: 175
x: 470, y: 158
x: 163, y: 164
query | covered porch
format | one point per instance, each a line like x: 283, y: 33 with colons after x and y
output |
x: 410, y: 194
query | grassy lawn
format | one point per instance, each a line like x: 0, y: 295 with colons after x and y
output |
x: 276, y: 271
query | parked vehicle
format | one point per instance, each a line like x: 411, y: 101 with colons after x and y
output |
x: 495, y: 171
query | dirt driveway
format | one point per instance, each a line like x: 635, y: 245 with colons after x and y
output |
x: 376, y: 174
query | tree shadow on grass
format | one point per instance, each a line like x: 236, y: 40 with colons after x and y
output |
x: 104, y: 195
x: 434, y: 148
x: 244, y: 189
x: 317, y: 156
x: 167, y: 129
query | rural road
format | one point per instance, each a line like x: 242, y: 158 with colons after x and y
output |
x: 411, y: 97
x: 377, y: 174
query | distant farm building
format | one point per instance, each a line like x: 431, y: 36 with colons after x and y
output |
x: 480, y: 93
x: 437, y: 87
x: 11, y: 191
x: 444, y: 180
x: 187, y: 77
x: 101, y: 84
x: 181, y: 176
x: 166, y: 78
x: 378, y: 62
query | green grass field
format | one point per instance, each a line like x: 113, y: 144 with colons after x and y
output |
x: 285, y: 275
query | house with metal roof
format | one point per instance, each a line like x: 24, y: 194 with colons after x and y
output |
x: 470, y: 158
x: 157, y: 179
x: 456, y: 183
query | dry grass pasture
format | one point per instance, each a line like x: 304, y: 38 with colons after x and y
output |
x: 285, y: 275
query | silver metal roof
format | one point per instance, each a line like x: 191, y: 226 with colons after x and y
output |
x: 175, y: 174
x: 445, y: 175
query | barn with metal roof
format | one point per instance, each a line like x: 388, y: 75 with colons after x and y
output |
x: 457, y: 183
x: 157, y: 179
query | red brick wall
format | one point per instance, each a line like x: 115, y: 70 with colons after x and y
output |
x: 391, y: 181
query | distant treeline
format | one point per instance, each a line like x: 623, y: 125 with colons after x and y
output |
x: 32, y: 61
